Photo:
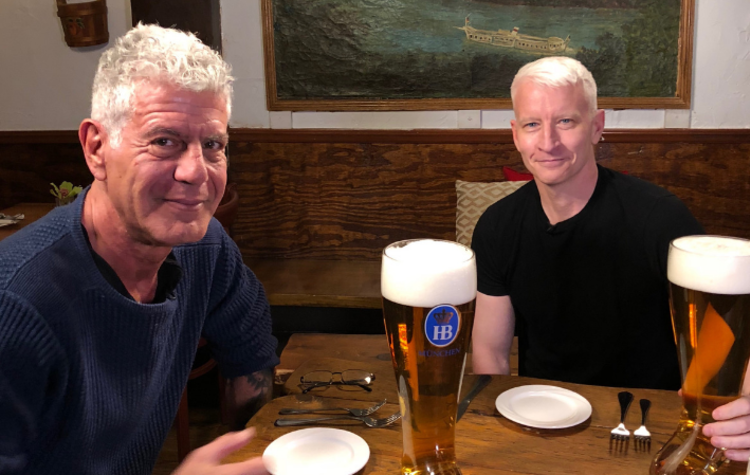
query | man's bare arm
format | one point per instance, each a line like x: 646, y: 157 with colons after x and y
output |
x: 247, y: 394
x: 492, y: 338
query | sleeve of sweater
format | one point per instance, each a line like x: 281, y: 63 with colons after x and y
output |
x: 32, y: 378
x: 238, y: 325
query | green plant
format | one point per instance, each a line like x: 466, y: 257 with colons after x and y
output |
x: 65, y: 193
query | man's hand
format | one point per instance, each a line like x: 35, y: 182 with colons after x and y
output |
x: 207, y: 459
x: 732, y: 429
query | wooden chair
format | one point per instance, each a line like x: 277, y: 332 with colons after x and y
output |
x: 182, y: 421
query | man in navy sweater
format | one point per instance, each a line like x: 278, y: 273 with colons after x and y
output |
x: 102, y: 302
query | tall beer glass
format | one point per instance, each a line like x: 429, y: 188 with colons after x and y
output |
x: 710, y: 301
x: 429, y: 289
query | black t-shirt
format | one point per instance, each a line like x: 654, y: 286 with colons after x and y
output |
x: 590, y: 293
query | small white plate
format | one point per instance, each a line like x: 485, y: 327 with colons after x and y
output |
x: 320, y: 451
x: 543, y: 407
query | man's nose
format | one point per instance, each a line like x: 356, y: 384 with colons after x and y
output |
x: 191, y: 166
x: 550, y: 138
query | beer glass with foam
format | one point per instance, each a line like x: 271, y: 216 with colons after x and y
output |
x: 429, y: 289
x: 710, y: 301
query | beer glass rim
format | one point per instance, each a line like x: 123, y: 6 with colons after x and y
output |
x: 677, y: 245
x: 405, y: 242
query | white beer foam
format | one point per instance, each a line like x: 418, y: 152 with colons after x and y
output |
x: 426, y: 273
x: 714, y: 264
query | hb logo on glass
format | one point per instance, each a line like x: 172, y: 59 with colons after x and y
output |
x: 441, y: 325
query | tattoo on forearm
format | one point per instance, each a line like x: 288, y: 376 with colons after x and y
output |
x: 250, y: 393
x: 260, y: 381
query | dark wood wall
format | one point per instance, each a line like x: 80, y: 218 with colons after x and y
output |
x: 30, y: 161
x: 346, y: 194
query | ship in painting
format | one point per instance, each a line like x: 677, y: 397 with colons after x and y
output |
x: 513, y: 39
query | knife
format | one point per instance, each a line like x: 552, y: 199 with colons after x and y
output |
x: 479, y: 384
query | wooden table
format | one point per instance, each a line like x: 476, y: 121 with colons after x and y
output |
x: 32, y: 212
x: 362, y: 349
x: 486, y: 442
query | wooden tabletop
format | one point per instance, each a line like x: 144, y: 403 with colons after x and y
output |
x: 362, y: 349
x: 486, y: 442
x: 31, y: 211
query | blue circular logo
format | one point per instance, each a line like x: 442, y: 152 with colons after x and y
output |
x: 442, y: 325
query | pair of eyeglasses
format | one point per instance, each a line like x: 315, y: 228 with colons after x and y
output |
x: 350, y: 377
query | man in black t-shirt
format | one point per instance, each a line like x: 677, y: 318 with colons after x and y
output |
x: 589, y: 293
x: 575, y: 260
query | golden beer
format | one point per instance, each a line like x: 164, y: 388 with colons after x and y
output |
x: 710, y: 302
x: 429, y: 291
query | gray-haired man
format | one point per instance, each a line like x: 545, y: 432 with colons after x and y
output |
x: 102, y: 302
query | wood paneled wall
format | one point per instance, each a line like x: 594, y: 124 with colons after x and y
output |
x: 347, y: 194
x: 30, y: 161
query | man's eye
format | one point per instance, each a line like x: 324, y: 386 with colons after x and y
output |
x: 164, y: 142
x: 531, y: 125
x: 214, y: 150
x: 213, y: 145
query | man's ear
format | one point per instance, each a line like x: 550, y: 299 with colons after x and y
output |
x: 598, y: 126
x: 92, y: 136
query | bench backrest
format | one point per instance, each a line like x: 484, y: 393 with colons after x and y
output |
x: 346, y: 195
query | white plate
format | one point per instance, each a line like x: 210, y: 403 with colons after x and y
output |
x: 543, y: 407
x: 322, y: 451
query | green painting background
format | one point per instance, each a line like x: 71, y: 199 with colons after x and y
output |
x: 411, y: 49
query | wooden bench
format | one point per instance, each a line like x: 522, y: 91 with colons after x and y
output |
x: 318, y: 207
x: 319, y: 283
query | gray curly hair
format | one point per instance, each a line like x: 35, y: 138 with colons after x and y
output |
x: 159, y: 55
x: 557, y: 71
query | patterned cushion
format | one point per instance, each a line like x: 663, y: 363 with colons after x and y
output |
x: 473, y: 199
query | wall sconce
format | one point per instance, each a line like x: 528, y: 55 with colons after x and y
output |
x: 84, y: 24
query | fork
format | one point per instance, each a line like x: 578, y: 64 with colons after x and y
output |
x: 620, y: 432
x: 369, y: 421
x: 642, y: 434
x: 354, y: 412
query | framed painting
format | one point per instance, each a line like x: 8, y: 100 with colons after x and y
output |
x: 333, y: 55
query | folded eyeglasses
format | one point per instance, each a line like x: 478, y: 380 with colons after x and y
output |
x: 349, y: 377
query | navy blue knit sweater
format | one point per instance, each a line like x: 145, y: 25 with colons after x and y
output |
x: 90, y: 380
